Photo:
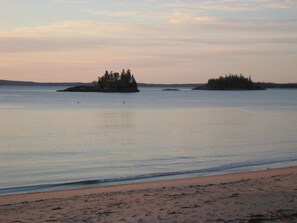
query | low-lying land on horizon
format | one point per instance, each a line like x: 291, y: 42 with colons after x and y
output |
x: 173, y: 85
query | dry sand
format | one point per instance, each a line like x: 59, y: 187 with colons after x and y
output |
x: 260, y: 196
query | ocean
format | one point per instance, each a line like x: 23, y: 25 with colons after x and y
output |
x: 60, y: 140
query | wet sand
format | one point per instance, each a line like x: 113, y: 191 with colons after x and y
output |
x: 259, y: 196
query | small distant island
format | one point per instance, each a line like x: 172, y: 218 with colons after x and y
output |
x: 170, y: 89
x: 109, y: 82
x: 231, y: 82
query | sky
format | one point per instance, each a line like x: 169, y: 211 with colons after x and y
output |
x: 161, y: 41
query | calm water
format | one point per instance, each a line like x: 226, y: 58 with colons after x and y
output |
x: 53, y: 140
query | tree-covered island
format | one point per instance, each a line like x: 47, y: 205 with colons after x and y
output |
x: 231, y: 82
x: 110, y: 82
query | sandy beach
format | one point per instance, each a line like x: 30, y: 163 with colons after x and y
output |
x: 259, y: 196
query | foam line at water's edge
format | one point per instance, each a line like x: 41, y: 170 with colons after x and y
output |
x: 141, y: 177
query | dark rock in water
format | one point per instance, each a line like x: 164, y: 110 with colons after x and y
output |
x: 94, y: 89
x: 231, y: 82
x: 80, y: 88
x: 121, y: 90
x: 170, y: 89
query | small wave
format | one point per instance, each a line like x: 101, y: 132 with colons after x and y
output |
x: 89, y: 183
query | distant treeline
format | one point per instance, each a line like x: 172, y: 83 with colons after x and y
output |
x: 231, y: 82
x: 277, y: 85
x: 31, y: 83
x: 169, y: 85
x: 189, y: 85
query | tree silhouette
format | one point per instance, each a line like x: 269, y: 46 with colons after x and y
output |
x: 231, y: 82
x: 115, y: 82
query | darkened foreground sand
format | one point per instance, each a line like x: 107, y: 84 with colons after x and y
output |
x: 261, y: 196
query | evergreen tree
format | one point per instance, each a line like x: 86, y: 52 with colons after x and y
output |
x: 114, y: 82
x: 232, y: 82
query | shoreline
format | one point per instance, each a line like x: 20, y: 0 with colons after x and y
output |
x: 142, y: 178
x: 263, y: 195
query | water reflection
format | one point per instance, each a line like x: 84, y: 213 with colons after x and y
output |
x: 116, y: 120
